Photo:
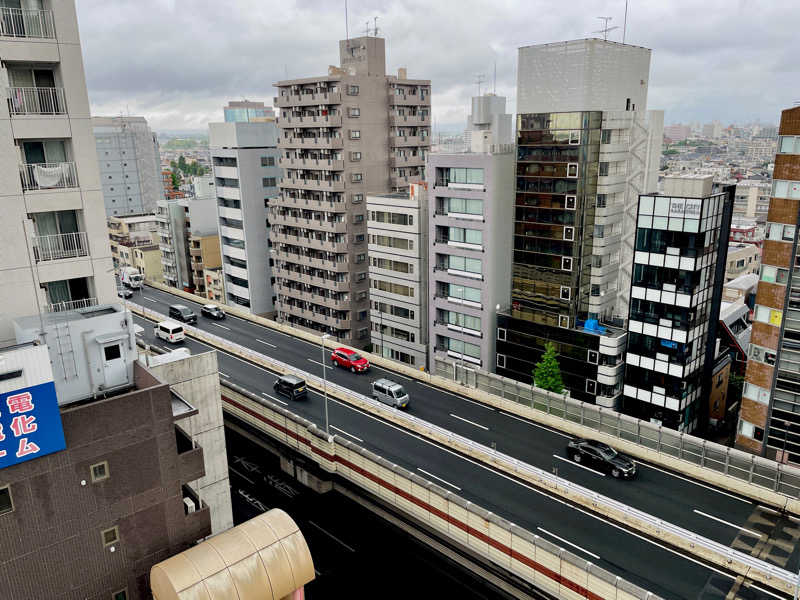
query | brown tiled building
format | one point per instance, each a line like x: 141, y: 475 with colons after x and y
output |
x: 769, y: 421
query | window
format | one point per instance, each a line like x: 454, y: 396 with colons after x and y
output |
x: 112, y: 352
x: 461, y: 263
x: 392, y: 218
x: 501, y: 361
x: 267, y: 161
x: 462, y: 320
x: 501, y: 334
x: 603, y: 169
x: 356, y: 177
x: 355, y: 156
x: 120, y: 595
x: 393, y: 288
x: 764, y: 355
x: 352, y: 90
x: 592, y: 357
x: 765, y: 314
x: 458, y: 175
x: 789, y: 144
x: 6, y: 504
x: 355, y: 134
x: 359, y: 238
x: 574, y: 137
x: 463, y: 293
x: 565, y: 292
x: 570, y: 202
x: 572, y: 169
x: 464, y: 206
x: 780, y: 233
x: 110, y: 536
x: 465, y: 236
x: 463, y: 348
x: 569, y: 233
x: 357, y: 198
x: 99, y: 471
x: 749, y: 430
x: 772, y: 274
x: 358, y: 218
x: 354, y: 112
x: 605, y: 136
x: 268, y: 182
x: 755, y: 393
x: 563, y: 321
x: 361, y: 276
x: 591, y: 386
x: 786, y: 189
x: 360, y: 258
x: 566, y: 263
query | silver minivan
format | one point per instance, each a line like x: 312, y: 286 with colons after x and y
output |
x: 389, y: 392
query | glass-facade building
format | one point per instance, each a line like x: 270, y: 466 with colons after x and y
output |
x: 676, y: 288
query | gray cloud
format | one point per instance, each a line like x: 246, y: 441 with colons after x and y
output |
x: 178, y: 61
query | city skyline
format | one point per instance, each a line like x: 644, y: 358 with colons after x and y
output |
x: 138, y: 62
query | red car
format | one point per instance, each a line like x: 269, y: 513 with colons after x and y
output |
x: 349, y: 360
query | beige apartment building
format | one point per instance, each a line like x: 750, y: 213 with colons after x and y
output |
x: 204, y: 252
x: 352, y: 132
x: 55, y: 244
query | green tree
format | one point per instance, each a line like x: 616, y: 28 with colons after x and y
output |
x: 547, y: 373
x: 182, y: 163
x: 176, y: 180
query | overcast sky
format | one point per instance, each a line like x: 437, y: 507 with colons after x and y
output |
x: 177, y: 62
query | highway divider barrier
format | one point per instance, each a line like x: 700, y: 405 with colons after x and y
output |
x: 677, y: 537
x: 751, y: 476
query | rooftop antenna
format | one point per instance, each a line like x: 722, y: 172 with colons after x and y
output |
x: 625, y: 23
x: 494, y: 80
x: 346, y: 25
x: 479, y: 78
x: 375, y: 29
x: 367, y: 30
x: 606, y: 28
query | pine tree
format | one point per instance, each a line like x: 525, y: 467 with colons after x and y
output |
x: 547, y: 373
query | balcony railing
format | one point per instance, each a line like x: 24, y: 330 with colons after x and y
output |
x: 36, y: 101
x: 60, y: 245
x: 47, y: 176
x: 71, y: 305
x: 26, y: 22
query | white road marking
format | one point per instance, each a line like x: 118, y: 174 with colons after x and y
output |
x: 470, y: 422
x: 535, y: 490
x: 242, y: 475
x: 718, y: 520
x: 225, y: 375
x: 563, y: 541
x: 221, y: 326
x: 566, y: 435
x: 760, y: 589
x: 266, y: 343
x: 768, y: 509
x: 441, y: 391
x: 316, y: 362
x: 150, y: 299
x: 573, y: 463
x: 439, y: 478
x: 274, y: 398
x: 330, y: 535
x: 344, y: 432
x: 697, y: 483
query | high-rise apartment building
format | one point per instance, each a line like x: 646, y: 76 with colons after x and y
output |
x: 676, y: 291
x: 343, y: 135
x: 55, y: 242
x: 397, y: 226
x: 130, y: 164
x: 244, y: 158
x: 769, y: 420
x: 586, y: 148
x: 245, y: 111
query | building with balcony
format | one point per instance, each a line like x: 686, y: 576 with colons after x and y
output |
x: 130, y: 164
x: 397, y: 225
x: 769, y: 420
x: 746, y: 231
x: 343, y: 135
x: 586, y: 148
x: 244, y: 158
x: 215, y: 284
x: 134, y: 243
x: 55, y: 244
x: 743, y: 259
x: 676, y: 292
x: 204, y: 252
x: 752, y: 200
x: 178, y: 220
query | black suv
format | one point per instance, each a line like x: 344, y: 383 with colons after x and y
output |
x: 212, y: 311
x: 291, y: 386
x: 182, y: 313
x: 602, y: 457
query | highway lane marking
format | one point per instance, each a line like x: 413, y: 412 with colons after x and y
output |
x: 713, y: 518
x: 470, y: 422
x: 150, y: 299
x: 566, y: 435
x: 242, y: 475
x: 562, y: 540
x: 225, y: 375
x: 316, y: 362
x: 274, y: 398
x: 344, y: 432
x: 572, y: 462
x: 266, y: 343
x: 333, y: 537
x: 537, y: 491
x: 444, y: 481
x: 768, y: 509
x: 697, y: 483
x: 221, y: 326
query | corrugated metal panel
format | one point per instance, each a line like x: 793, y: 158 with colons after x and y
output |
x: 34, y: 362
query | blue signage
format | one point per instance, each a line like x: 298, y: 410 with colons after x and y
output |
x: 30, y: 424
x: 669, y: 344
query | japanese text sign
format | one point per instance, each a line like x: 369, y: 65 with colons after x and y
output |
x: 30, y: 424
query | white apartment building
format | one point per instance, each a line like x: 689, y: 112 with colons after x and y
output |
x: 56, y: 253
x: 130, y: 165
x: 179, y: 219
x: 244, y: 158
x: 397, y: 228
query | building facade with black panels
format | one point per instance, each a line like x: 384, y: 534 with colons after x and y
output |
x: 553, y: 244
x: 676, y: 290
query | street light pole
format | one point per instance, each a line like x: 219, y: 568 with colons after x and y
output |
x: 325, y: 382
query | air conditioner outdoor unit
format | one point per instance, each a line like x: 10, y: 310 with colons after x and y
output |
x: 189, y: 505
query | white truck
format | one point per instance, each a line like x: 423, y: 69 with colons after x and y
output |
x: 130, y: 277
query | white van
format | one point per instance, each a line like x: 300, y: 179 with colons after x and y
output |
x: 389, y: 392
x: 169, y: 331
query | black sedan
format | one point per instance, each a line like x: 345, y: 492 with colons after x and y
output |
x: 124, y: 293
x: 602, y: 457
x: 212, y: 311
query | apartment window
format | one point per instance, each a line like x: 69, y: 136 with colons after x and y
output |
x: 357, y: 198
x: 570, y: 202
x: 605, y: 136
x: 501, y: 361
x: 566, y: 263
x: 464, y: 206
x: 572, y: 169
x: 354, y: 112
x: 356, y: 177
x: 115, y: 351
x: 393, y: 288
x: 592, y: 357
x: 780, y: 233
x: 465, y: 236
x: 574, y: 137
x: 772, y: 274
x: 361, y: 276
x: 462, y: 292
x: 603, y: 169
x: 352, y: 90
x: 358, y: 218
x: 764, y: 355
x: 267, y: 161
x: 99, y: 471
x: 359, y: 238
x: 565, y: 292
x: 462, y: 320
x: 120, y: 595
x: 789, y: 144
x: 771, y: 316
x: 6, y: 503
x: 355, y: 134
x: 110, y: 536
x: 360, y: 258
x: 355, y: 156
x: 755, y: 393
x: 786, y: 189
x: 591, y: 386
x: 569, y: 233
x: 750, y: 430
x: 460, y: 347
x: 458, y: 175
x: 563, y: 321
x: 461, y: 263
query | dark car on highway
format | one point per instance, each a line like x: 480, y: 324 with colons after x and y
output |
x: 212, y: 311
x: 602, y: 457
